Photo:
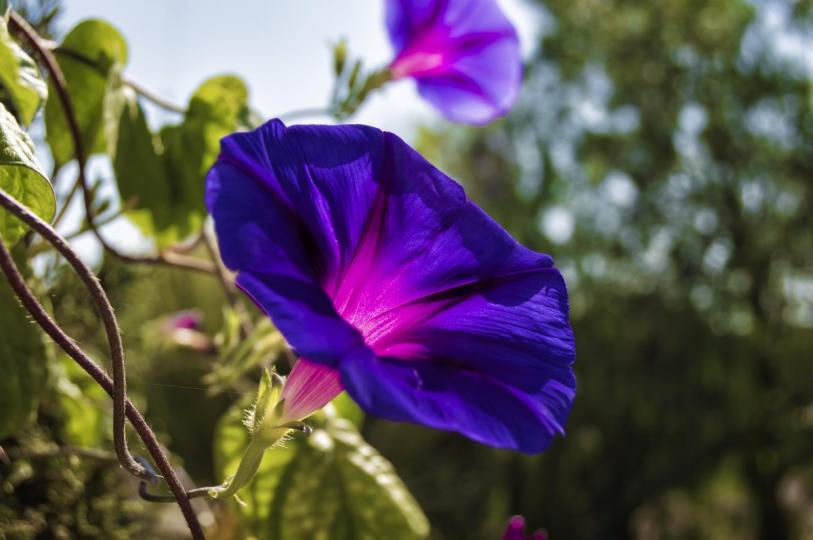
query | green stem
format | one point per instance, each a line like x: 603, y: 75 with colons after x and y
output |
x: 249, y: 465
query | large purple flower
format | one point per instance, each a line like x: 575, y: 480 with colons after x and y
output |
x: 464, y: 55
x: 390, y: 284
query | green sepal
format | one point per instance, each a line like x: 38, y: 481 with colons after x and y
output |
x: 267, y: 427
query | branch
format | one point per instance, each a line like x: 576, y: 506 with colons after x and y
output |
x: 121, y: 405
x: 19, y: 25
x: 154, y: 98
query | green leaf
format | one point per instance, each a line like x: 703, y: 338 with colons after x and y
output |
x: 139, y: 169
x: 21, y: 177
x: 330, y: 485
x: 348, y: 409
x: 22, y: 364
x: 190, y: 149
x: 90, y: 58
x: 19, y: 77
x: 163, y: 178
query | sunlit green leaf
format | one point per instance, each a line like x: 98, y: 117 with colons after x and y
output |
x: 88, y: 57
x: 137, y: 163
x: 162, y: 178
x: 22, y: 364
x: 190, y: 148
x: 19, y: 77
x: 348, y: 409
x: 330, y: 485
x: 21, y: 176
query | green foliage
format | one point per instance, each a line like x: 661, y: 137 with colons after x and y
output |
x: 48, y: 493
x: 240, y: 355
x: 20, y: 78
x: 161, y: 178
x: 90, y: 57
x: 21, y: 177
x: 215, y: 110
x: 140, y: 173
x: 22, y: 365
x: 329, y: 485
x: 348, y: 409
x: 84, y: 406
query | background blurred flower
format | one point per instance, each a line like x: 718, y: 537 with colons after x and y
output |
x: 515, y: 530
x: 464, y: 55
x: 182, y: 329
x: 390, y: 284
x: 191, y: 319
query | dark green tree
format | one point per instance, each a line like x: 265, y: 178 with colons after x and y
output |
x: 663, y: 153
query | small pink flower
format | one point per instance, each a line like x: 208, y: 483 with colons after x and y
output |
x: 516, y: 531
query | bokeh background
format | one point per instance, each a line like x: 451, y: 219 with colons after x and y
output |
x: 662, y: 152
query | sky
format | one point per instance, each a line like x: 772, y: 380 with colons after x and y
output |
x: 281, y: 48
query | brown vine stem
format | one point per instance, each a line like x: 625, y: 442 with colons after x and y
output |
x: 41, y: 316
x: 111, y: 326
x: 19, y: 25
x: 149, y: 95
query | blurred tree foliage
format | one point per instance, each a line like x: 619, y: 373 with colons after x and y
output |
x: 663, y: 153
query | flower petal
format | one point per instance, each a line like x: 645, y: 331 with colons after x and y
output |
x: 285, y: 221
x: 445, y: 397
x: 478, y: 88
x: 423, y: 238
x: 465, y: 55
x: 308, y: 388
x: 513, y: 329
x: 509, y: 336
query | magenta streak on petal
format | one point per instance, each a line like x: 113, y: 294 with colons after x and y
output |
x: 435, y: 54
x: 376, y: 312
x: 309, y: 387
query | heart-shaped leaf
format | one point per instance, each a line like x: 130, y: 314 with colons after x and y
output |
x: 21, y: 177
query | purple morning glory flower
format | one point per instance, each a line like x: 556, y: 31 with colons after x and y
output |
x: 516, y: 531
x: 391, y: 285
x: 464, y: 55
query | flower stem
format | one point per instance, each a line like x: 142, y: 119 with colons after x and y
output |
x: 249, y: 465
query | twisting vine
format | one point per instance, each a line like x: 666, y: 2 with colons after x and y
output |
x: 115, y: 387
x: 111, y: 326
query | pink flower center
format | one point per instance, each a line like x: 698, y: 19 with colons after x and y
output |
x: 416, y: 62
